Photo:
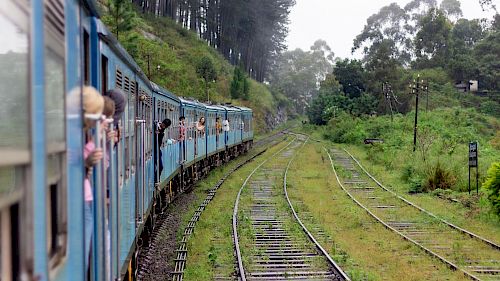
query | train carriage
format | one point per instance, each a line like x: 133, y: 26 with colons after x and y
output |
x: 246, y: 124
x: 215, y: 137
x: 168, y: 106
x: 232, y: 116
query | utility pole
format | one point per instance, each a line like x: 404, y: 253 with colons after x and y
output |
x: 386, y: 88
x: 415, y: 89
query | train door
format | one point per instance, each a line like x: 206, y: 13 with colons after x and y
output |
x: 196, y: 134
x: 140, y: 146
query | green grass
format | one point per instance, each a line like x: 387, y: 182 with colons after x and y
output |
x: 210, y: 246
x: 362, y: 247
x: 477, y: 217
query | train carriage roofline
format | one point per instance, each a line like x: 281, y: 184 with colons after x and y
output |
x: 107, y: 37
x: 91, y: 7
x: 163, y: 92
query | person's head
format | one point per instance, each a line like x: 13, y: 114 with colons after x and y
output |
x: 120, y: 102
x: 202, y: 120
x: 217, y: 119
x: 165, y: 124
x: 93, y: 103
x: 109, y: 107
x: 181, y: 119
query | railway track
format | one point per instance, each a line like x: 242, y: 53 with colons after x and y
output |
x: 153, y: 249
x: 270, y: 241
x: 475, y: 256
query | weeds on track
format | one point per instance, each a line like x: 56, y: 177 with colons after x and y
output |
x: 210, y: 248
x: 362, y: 247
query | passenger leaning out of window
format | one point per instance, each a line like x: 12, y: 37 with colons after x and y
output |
x: 160, y: 134
x: 218, y: 126
x: 93, y: 105
x: 182, y: 137
x: 119, y: 101
x: 225, y: 125
x: 200, y: 127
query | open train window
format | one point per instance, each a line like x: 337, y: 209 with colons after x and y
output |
x: 55, y: 122
x: 104, y: 74
x: 10, y: 267
x: 86, y: 57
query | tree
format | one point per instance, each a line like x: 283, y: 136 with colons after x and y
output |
x: 432, y: 39
x: 247, y: 33
x: 240, y: 87
x: 352, y: 77
x: 451, y: 8
x: 487, y: 4
x: 328, y: 103
x: 389, y: 24
x: 121, y: 16
x: 487, y: 55
x: 206, y: 70
x: 297, y: 74
x: 462, y: 66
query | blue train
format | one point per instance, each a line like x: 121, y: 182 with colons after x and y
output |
x: 49, y: 50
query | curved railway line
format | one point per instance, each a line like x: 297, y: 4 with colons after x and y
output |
x: 279, y: 247
x: 475, y: 256
x: 150, y: 251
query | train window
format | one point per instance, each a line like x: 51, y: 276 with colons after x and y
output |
x: 104, y: 74
x: 14, y: 85
x: 15, y: 131
x: 86, y: 57
x: 55, y: 122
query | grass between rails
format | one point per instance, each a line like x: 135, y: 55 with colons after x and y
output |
x: 361, y: 246
x: 210, y: 248
x: 475, y: 218
x: 273, y: 172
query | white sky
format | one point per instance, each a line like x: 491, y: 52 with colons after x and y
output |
x: 339, y: 21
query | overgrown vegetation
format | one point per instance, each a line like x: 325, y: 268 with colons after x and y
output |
x: 441, y: 156
x: 492, y: 184
x: 427, y: 42
x: 364, y: 249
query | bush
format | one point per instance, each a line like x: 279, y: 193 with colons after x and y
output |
x: 492, y: 184
x: 416, y: 185
x: 440, y: 178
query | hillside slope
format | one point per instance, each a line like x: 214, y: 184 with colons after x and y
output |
x: 169, y: 54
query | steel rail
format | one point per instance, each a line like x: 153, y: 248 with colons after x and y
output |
x: 427, y: 250
x: 471, y: 234
x: 335, y: 266
x: 241, y: 269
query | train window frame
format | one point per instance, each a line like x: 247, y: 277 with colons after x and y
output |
x: 104, y: 73
x: 56, y: 188
x: 86, y: 57
x: 13, y: 253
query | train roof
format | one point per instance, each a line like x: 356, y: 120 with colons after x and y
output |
x: 242, y: 108
x: 214, y: 107
x: 163, y: 91
x: 92, y: 7
x: 108, y: 37
x: 230, y: 108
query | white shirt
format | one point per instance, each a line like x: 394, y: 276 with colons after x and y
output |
x: 225, y: 125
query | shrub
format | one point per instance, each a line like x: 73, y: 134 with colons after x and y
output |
x: 440, y: 178
x: 492, y: 184
x: 416, y: 185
